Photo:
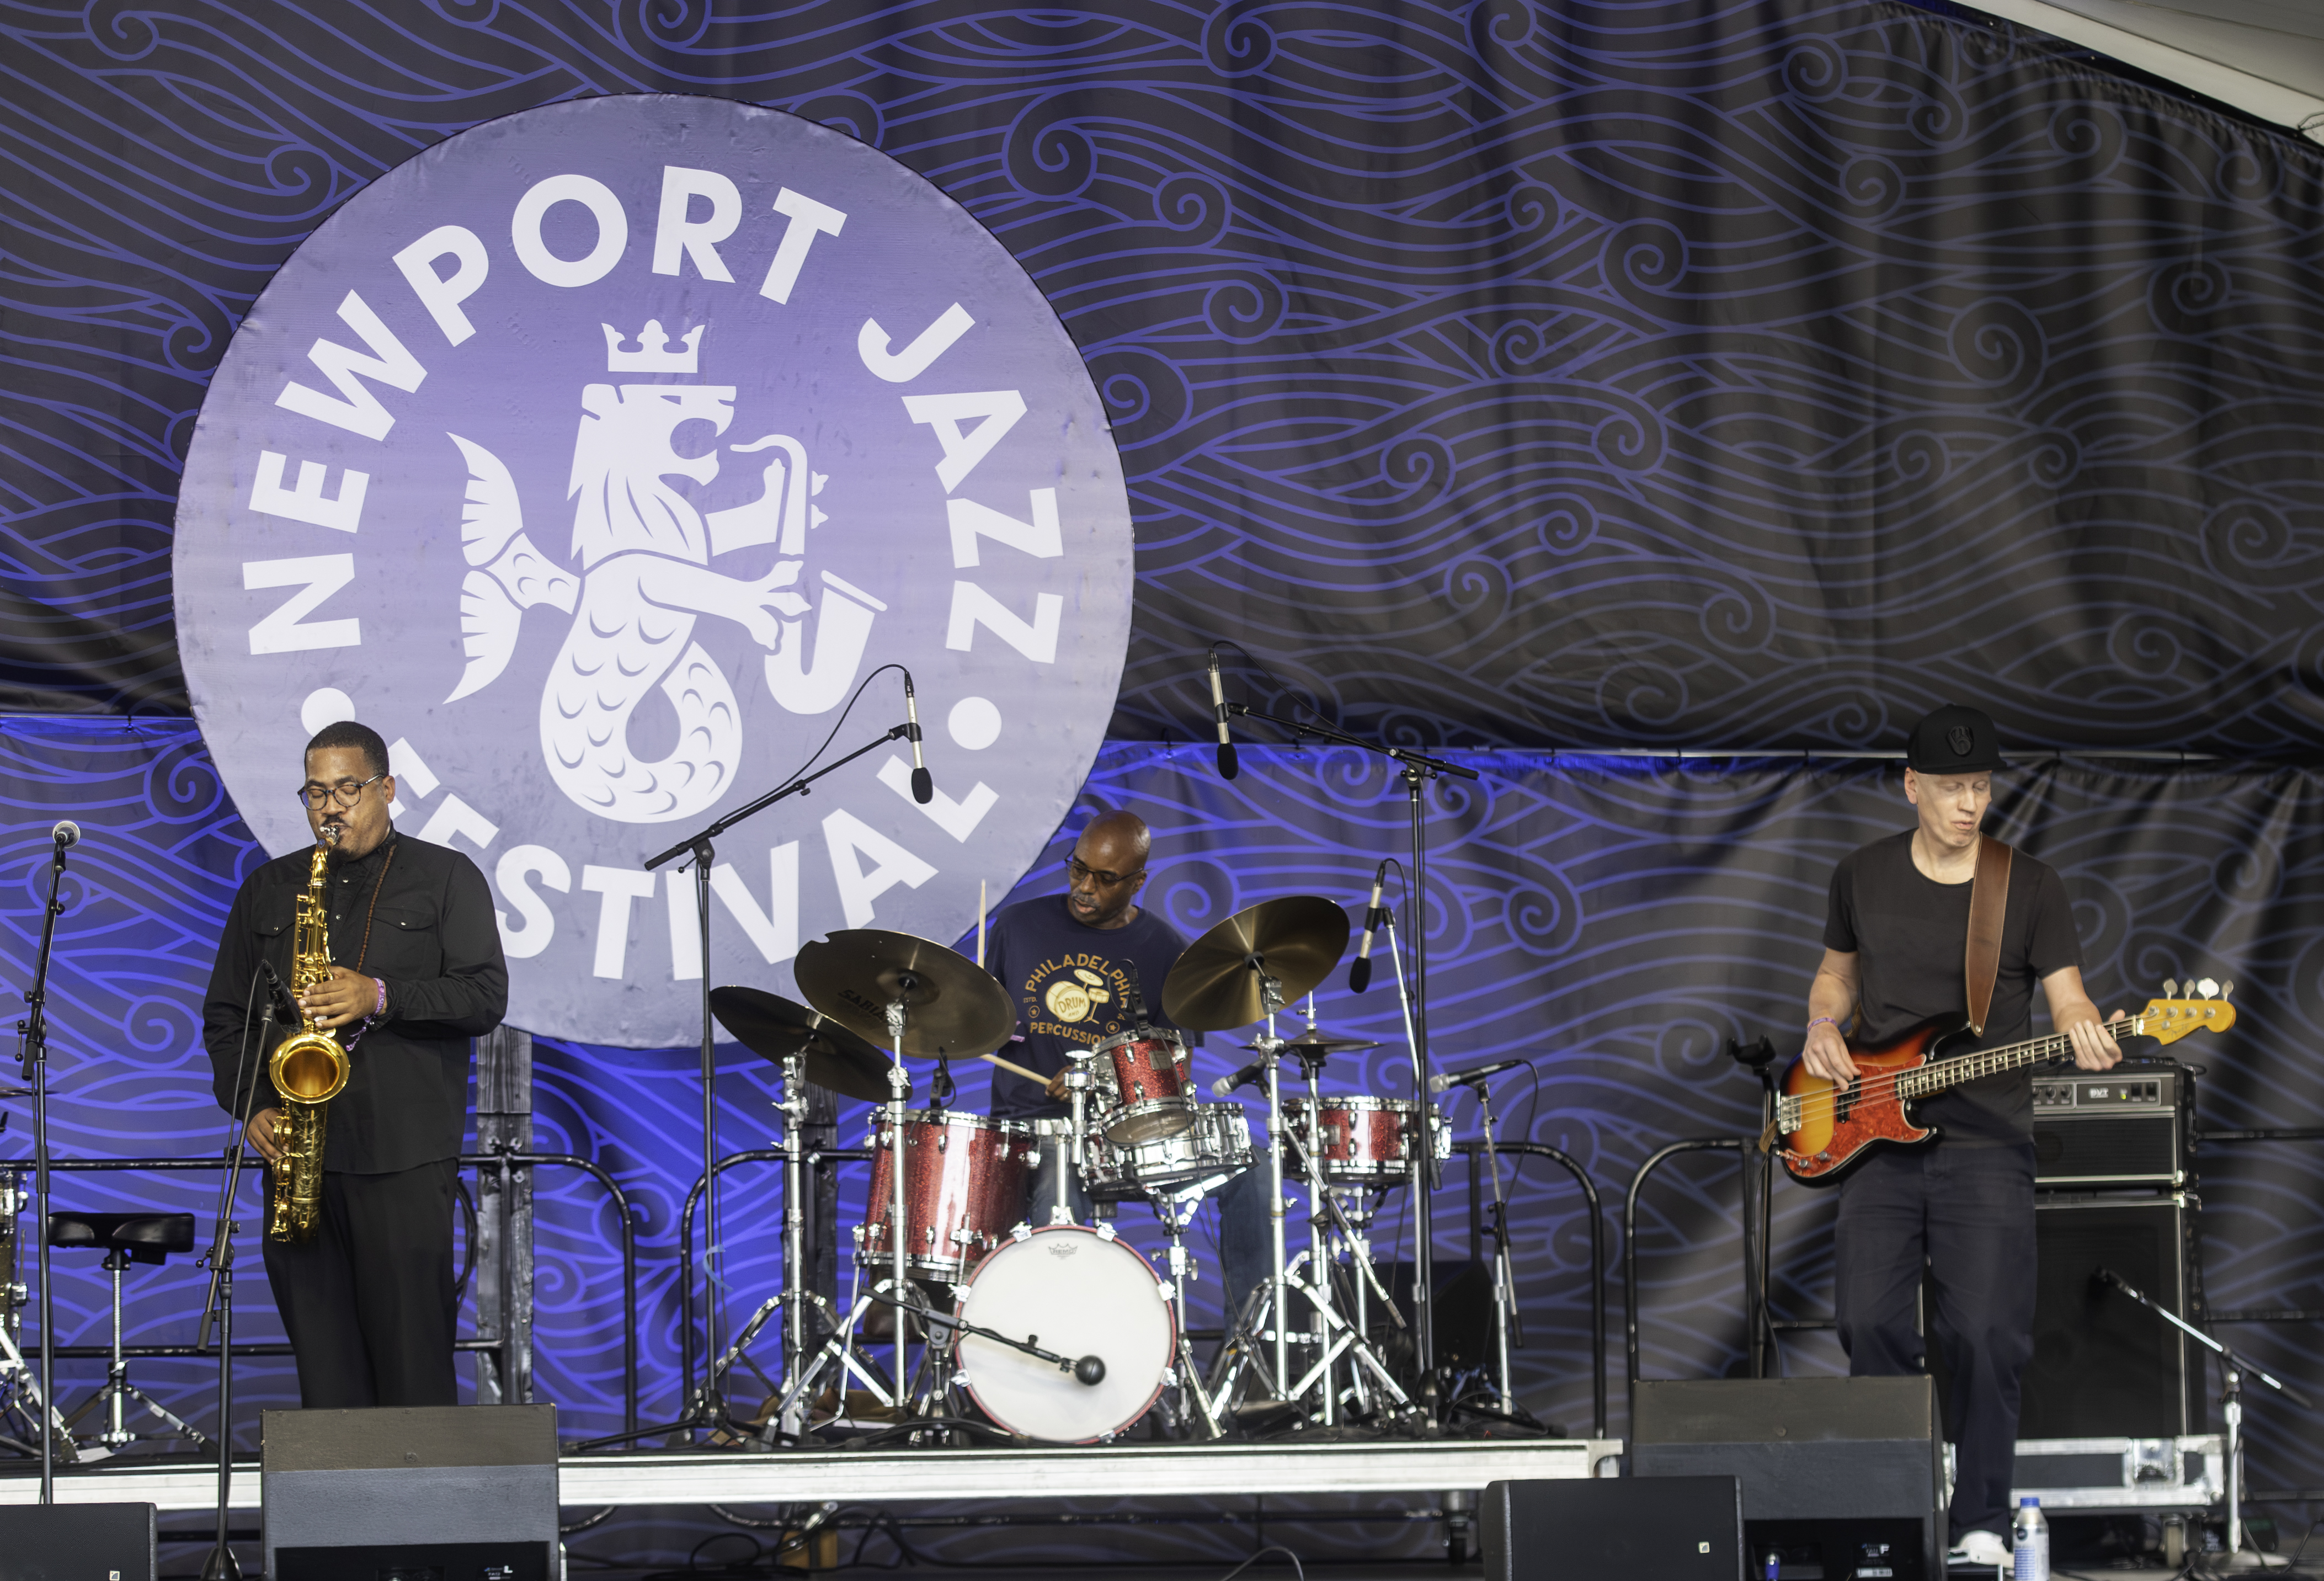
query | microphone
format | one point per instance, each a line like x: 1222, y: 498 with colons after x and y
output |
x: 282, y: 989
x: 66, y: 834
x: 1249, y: 1076
x: 1442, y: 1080
x: 1227, y: 767
x: 1359, y: 975
x: 924, y: 787
x: 1090, y: 1370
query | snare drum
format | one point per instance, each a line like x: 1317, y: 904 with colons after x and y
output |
x: 1363, y: 1141
x: 1216, y: 1146
x: 1152, y: 1094
x: 964, y: 1180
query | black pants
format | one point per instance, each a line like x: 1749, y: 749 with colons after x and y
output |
x: 1968, y: 1211
x: 368, y: 1301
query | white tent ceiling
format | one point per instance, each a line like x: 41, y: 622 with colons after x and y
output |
x: 2264, y: 57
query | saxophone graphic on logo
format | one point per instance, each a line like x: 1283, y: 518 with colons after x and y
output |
x: 645, y: 557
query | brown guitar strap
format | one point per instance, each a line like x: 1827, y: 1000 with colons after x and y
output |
x: 1988, y: 903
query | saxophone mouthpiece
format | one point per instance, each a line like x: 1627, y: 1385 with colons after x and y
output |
x: 331, y: 833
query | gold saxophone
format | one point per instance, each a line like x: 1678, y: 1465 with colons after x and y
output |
x: 308, y: 1069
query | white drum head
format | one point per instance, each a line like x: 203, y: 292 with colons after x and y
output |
x: 1076, y: 1294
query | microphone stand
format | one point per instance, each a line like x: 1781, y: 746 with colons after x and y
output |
x: 1418, y: 768
x: 705, y: 1409
x: 32, y: 1033
x: 218, y: 1304
x: 2232, y: 1370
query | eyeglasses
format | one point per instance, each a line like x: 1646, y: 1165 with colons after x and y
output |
x: 346, y: 793
x: 1080, y: 870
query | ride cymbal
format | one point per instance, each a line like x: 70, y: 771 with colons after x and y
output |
x: 1296, y: 939
x: 952, y: 1005
x: 776, y: 1028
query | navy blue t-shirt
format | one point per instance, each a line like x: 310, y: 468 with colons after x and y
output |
x: 1070, y: 988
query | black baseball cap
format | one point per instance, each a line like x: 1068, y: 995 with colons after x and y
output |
x: 1955, y: 739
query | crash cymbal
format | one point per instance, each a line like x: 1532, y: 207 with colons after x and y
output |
x: 952, y: 1005
x: 1214, y: 987
x: 1321, y: 1043
x: 776, y: 1028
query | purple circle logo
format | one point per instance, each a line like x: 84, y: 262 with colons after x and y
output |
x: 596, y: 457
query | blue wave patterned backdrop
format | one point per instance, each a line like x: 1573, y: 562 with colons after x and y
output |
x: 1710, y: 373
x: 1511, y: 376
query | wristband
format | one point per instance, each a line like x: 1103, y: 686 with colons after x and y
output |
x: 1822, y: 1021
x: 381, y: 1008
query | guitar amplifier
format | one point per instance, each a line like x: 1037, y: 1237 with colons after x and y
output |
x: 2127, y: 1128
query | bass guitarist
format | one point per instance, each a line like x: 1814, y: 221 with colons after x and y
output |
x: 1893, y: 957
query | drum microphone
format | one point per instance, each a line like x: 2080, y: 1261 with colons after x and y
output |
x: 1439, y: 1082
x: 1249, y: 1076
x: 1359, y: 975
x: 66, y: 834
x: 1090, y: 1370
x: 924, y: 787
x: 1227, y: 767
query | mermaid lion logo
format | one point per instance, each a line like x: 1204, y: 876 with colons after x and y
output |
x: 651, y: 566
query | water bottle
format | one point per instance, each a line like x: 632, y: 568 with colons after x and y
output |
x: 2029, y: 1539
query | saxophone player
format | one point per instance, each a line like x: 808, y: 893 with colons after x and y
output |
x: 415, y: 971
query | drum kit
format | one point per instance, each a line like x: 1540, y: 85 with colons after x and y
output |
x: 1062, y: 1332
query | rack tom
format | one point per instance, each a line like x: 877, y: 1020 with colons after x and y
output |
x: 964, y: 1182
x: 1363, y: 1141
x: 1152, y: 1094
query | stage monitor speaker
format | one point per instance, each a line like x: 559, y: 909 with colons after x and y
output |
x: 1852, y: 1465
x: 1670, y: 1529
x: 2103, y: 1366
x: 78, y: 1543
x: 460, y: 1493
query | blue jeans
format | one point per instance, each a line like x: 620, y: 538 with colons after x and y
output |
x: 1246, y: 1242
x: 1968, y: 1212
x: 1054, y: 1181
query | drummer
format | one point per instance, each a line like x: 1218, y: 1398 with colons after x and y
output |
x: 1065, y: 959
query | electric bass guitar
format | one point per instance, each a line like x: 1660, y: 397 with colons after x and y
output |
x: 1827, y: 1128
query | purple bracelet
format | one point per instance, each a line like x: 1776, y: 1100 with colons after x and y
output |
x: 1822, y: 1021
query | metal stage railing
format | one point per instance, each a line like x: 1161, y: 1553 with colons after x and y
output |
x: 1739, y: 1146
x: 503, y: 1161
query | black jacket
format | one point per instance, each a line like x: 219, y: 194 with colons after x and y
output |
x: 433, y: 942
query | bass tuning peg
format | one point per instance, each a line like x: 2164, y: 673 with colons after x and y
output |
x: 2207, y: 988
x: 2169, y: 987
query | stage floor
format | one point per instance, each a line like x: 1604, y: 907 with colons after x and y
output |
x: 1145, y: 1471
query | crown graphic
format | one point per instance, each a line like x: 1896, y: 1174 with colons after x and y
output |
x: 656, y: 353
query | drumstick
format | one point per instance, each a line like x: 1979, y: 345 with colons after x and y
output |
x: 1016, y: 1070
x: 980, y: 921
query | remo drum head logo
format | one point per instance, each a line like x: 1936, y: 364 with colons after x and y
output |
x: 596, y: 457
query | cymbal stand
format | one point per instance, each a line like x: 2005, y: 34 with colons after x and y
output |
x: 1335, y: 1336
x: 842, y: 1351
x: 1270, y: 999
x: 899, y: 1085
x: 1506, y: 1321
x: 795, y: 1279
x: 1177, y: 1211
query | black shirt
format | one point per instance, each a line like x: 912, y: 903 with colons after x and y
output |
x: 1909, y: 935
x: 434, y: 942
x: 1070, y: 988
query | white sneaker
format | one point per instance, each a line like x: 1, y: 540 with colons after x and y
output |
x: 1979, y: 1547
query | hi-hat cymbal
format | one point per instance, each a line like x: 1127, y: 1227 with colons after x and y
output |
x: 952, y: 1005
x: 1321, y: 1043
x: 1296, y: 939
x: 776, y: 1028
